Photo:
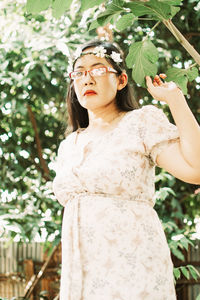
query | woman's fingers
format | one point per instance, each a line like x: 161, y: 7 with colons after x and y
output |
x: 157, y: 81
x: 149, y: 82
x: 162, y: 75
x: 158, y: 78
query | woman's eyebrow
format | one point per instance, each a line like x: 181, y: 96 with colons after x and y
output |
x: 92, y: 65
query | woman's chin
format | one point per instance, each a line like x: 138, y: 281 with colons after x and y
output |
x: 88, y: 104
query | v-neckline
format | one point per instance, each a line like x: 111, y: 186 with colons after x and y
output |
x: 112, y: 130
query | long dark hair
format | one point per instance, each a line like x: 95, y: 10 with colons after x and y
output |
x: 125, y: 101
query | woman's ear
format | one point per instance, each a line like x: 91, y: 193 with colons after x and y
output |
x: 123, y: 79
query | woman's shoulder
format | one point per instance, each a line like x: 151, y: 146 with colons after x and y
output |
x: 144, y: 111
x: 70, y: 136
x: 149, y: 108
x: 147, y: 116
x: 67, y: 141
x: 149, y: 111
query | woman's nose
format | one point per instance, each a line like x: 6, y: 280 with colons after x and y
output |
x: 88, y: 79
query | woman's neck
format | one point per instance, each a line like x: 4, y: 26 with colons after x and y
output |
x: 102, y: 120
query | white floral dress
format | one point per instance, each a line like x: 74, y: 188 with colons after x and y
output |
x: 113, y: 244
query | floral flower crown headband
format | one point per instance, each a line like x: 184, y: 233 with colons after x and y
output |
x: 99, y: 51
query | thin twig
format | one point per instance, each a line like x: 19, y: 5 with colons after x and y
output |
x: 192, y: 66
x: 146, y: 19
x: 146, y: 37
x: 182, y: 40
x: 191, y: 34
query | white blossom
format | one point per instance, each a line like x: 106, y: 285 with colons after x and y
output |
x: 99, y: 51
x: 116, y: 57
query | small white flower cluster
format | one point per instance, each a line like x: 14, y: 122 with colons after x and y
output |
x: 116, y: 57
x: 99, y: 51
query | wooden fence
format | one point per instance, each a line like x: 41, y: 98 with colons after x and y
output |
x: 189, y: 289
x: 12, y: 259
x: 19, y: 263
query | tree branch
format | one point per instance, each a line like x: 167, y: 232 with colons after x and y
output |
x: 189, y: 35
x: 182, y: 40
x: 36, y: 278
x: 44, y: 166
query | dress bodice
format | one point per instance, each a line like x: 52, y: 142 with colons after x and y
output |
x: 121, y: 162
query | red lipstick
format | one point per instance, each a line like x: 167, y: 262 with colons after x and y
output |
x: 90, y: 92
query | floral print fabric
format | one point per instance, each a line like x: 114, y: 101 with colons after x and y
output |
x: 113, y: 244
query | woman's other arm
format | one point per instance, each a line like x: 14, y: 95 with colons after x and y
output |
x: 181, y: 159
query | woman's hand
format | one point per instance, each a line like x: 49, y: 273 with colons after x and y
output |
x: 162, y: 91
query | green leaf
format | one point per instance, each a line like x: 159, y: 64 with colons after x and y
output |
x: 105, y: 19
x: 198, y: 297
x: 193, y: 271
x: 36, y: 6
x: 181, y: 76
x: 138, y: 8
x: 112, y: 10
x: 185, y: 242
x: 157, y: 9
x: 177, y: 253
x: 177, y: 273
x: 185, y: 272
x: 59, y: 7
x: 174, y: 11
x: 192, y: 74
x: 93, y: 25
x: 85, y: 4
x: 142, y: 58
x: 125, y: 21
x: 169, y: 225
x: 118, y: 2
x: 171, y: 2
x: 162, y: 10
x: 182, y: 83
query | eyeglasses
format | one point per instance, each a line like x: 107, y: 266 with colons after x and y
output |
x: 95, y: 72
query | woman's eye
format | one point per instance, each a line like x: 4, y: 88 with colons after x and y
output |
x: 79, y: 74
x: 98, y: 71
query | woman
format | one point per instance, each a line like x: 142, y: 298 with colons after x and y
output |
x: 113, y: 244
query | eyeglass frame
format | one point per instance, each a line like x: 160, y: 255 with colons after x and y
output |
x: 108, y: 70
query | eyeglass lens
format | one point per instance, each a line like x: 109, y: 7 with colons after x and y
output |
x: 93, y: 72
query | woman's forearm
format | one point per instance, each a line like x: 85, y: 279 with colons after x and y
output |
x: 188, y: 128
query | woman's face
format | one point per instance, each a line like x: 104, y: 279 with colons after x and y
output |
x: 105, y: 86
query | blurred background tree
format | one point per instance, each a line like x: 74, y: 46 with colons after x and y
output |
x: 36, y: 45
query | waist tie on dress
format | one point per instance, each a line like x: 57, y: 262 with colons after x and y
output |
x: 71, y: 257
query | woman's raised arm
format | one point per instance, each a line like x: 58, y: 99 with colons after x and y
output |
x: 183, y: 159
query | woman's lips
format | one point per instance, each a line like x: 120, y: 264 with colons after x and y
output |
x: 87, y: 93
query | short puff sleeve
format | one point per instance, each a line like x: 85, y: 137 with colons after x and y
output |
x: 158, y: 132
